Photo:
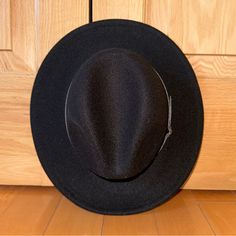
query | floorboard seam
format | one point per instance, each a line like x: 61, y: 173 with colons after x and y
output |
x: 204, y: 215
x: 49, y: 221
x: 102, y: 225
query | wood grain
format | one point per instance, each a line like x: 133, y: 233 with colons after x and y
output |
x: 214, y: 196
x: 198, y: 27
x: 70, y: 219
x: 43, y: 211
x: 214, y: 67
x: 215, y: 168
x: 10, y: 63
x: 181, y: 217
x: 126, y: 9
x: 213, y: 174
x: 22, y: 57
x: 5, y: 25
x: 139, y: 224
x: 58, y: 18
x: 221, y: 216
x: 18, y: 161
x: 30, y: 211
x: 7, y: 194
x: 24, y: 31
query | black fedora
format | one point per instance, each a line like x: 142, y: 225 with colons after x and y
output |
x: 117, y: 117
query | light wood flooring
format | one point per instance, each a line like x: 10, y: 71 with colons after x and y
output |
x: 44, y: 211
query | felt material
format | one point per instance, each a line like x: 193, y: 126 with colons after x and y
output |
x: 152, y: 181
x: 116, y: 113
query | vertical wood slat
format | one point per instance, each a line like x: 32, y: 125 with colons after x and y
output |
x: 18, y: 160
x: 23, y: 28
x: 198, y: 27
x: 21, y: 59
x: 57, y: 18
x: 126, y: 9
x: 5, y: 25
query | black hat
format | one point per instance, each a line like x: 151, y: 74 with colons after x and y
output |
x: 117, y: 117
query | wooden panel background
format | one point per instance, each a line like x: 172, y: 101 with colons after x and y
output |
x: 35, y: 26
x: 204, y: 30
x: 5, y: 39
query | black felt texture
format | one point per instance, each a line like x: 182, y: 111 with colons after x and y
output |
x: 66, y: 167
x: 116, y: 114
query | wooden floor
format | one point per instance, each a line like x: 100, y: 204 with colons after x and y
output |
x: 44, y: 211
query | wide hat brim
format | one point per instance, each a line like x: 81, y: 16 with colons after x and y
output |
x: 173, y: 164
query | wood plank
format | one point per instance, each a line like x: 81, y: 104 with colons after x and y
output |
x: 10, y: 63
x: 138, y: 224
x: 19, y: 163
x: 181, y: 217
x: 43, y: 211
x: 7, y: 195
x: 221, y: 216
x: 5, y: 25
x: 216, y: 164
x: 30, y: 211
x: 70, y: 219
x: 125, y: 9
x: 23, y: 30
x: 213, y: 174
x: 197, y: 26
x: 215, y: 168
x: 58, y: 18
x: 215, y: 67
x: 22, y: 56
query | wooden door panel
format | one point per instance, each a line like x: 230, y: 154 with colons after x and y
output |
x: 5, y: 39
x: 215, y: 168
x: 56, y: 19
x: 19, y: 57
x: 197, y: 26
x: 18, y: 160
x: 35, y: 26
x: 124, y: 9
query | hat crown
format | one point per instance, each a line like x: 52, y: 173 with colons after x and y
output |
x: 116, y: 113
